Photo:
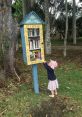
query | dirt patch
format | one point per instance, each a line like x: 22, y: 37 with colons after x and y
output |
x: 55, y: 107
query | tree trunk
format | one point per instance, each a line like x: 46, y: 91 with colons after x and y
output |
x: 66, y: 31
x: 24, y: 6
x: 1, y: 29
x: 47, y: 29
x: 9, y: 29
x: 74, y: 22
x: 27, y: 6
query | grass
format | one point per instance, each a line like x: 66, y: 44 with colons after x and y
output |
x: 58, y: 42
x: 18, y: 99
x: 20, y: 102
x: 70, y: 81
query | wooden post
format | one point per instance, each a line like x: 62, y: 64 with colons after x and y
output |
x: 35, y: 78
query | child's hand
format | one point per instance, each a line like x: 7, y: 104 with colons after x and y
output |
x: 44, y: 61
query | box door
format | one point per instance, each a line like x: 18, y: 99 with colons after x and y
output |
x: 34, y: 43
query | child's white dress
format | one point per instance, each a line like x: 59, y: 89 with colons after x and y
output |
x: 53, y: 85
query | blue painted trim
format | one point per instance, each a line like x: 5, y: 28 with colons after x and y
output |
x: 35, y: 78
x: 23, y: 44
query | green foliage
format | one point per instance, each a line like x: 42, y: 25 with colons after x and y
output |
x: 60, y: 24
x: 17, y: 10
x: 18, y: 13
x: 79, y: 26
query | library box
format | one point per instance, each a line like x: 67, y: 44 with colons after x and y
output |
x: 31, y: 28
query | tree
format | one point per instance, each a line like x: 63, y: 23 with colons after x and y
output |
x: 9, y: 36
x: 74, y: 22
x: 47, y: 28
x: 60, y: 25
x: 27, y: 6
x: 66, y: 30
x: 1, y: 27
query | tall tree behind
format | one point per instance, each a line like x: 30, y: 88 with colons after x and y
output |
x: 47, y: 28
x: 9, y: 31
x: 1, y: 28
x: 66, y: 30
x: 27, y: 5
x: 74, y: 22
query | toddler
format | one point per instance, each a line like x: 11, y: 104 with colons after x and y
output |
x: 53, y: 83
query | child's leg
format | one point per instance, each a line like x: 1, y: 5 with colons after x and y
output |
x: 56, y: 92
x: 52, y: 92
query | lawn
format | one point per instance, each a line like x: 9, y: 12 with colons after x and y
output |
x: 60, y: 42
x: 18, y: 99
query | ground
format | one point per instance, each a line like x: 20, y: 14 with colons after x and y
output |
x: 17, y: 99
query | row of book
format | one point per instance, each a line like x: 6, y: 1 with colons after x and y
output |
x: 34, y: 44
x: 33, y: 32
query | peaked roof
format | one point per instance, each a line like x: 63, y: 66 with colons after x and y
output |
x: 32, y: 18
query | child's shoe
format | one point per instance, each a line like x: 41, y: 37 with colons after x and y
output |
x: 51, y: 95
x: 56, y: 93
